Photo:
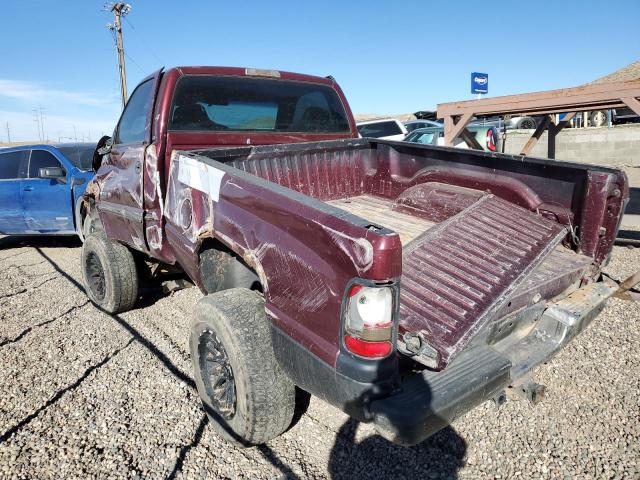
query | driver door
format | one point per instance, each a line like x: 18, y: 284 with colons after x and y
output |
x: 121, y: 205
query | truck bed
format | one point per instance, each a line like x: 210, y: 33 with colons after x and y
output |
x: 473, y: 231
x: 380, y: 210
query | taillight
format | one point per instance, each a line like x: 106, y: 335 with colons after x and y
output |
x: 368, y: 325
x: 491, y: 143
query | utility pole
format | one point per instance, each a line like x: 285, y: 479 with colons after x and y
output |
x: 8, y: 134
x: 36, y: 119
x: 119, y: 10
x: 44, y: 134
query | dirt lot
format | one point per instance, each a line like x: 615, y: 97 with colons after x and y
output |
x: 84, y: 394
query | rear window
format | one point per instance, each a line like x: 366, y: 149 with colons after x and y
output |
x: 379, y: 129
x: 12, y: 165
x: 213, y: 103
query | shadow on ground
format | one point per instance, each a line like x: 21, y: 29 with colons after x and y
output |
x: 41, y: 241
x: 440, y: 456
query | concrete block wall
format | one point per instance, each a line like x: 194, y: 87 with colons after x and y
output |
x: 616, y: 146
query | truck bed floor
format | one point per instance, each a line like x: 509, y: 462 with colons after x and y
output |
x: 379, y: 211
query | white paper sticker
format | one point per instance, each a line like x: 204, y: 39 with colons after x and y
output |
x: 200, y: 176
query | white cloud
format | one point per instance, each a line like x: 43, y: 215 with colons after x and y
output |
x: 23, y: 128
x: 90, y: 113
x: 32, y: 92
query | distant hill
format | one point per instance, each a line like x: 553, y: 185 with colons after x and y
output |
x: 363, y: 117
x: 17, y: 144
x: 625, y: 74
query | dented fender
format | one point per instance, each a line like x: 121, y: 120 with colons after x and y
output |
x: 303, y: 255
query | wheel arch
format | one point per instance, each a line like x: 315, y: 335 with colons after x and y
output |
x: 221, y: 268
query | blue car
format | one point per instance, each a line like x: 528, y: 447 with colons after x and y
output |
x: 41, y: 188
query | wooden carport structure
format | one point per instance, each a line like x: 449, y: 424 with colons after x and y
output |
x: 601, y: 96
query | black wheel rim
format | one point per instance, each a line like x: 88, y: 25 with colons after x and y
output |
x: 95, y: 276
x: 217, y: 375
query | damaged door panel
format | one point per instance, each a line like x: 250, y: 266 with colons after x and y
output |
x: 121, y: 206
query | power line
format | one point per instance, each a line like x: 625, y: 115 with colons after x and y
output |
x: 134, y: 62
x: 146, y: 44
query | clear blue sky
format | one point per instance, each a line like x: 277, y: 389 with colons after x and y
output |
x: 389, y: 57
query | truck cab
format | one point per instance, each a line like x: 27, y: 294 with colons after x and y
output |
x: 191, y: 108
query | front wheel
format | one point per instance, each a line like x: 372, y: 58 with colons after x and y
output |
x: 109, y: 273
x: 245, y: 393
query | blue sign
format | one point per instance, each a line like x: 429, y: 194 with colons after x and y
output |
x: 479, y: 82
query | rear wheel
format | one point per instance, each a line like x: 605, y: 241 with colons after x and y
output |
x: 109, y: 274
x: 245, y: 393
x: 527, y: 122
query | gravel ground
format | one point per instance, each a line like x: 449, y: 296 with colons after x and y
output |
x: 84, y: 394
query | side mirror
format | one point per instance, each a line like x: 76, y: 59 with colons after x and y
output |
x: 53, y: 173
x: 102, y: 148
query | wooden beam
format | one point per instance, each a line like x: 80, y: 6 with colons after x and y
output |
x: 452, y: 128
x: 551, y: 139
x: 542, y: 126
x: 448, y: 126
x: 470, y: 139
x: 565, y: 122
x: 584, y: 98
x: 554, y: 130
x: 633, y: 104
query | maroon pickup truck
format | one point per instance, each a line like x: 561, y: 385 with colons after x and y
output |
x: 402, y: 283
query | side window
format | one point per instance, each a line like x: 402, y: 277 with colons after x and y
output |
x: 134, y: 117
x: 41, y: 159
x: 13, y: 165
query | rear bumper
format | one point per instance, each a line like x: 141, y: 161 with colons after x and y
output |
x: 428, y: 401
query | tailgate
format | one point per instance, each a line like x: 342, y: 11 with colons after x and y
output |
x: 457, y: 275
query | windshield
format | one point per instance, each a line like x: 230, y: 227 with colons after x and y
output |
x: 212, y: 103
x: 411, y: 126
x: 81, y: 156
x: 379, y: 129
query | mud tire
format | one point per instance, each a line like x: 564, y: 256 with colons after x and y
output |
x: 264, y: 395
x: 109, y: 273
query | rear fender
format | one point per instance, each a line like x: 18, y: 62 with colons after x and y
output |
x: 303, y: 251
x: 221, y: 269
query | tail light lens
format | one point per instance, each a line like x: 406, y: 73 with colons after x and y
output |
x: 368, y: 325
x: 491, y: 142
